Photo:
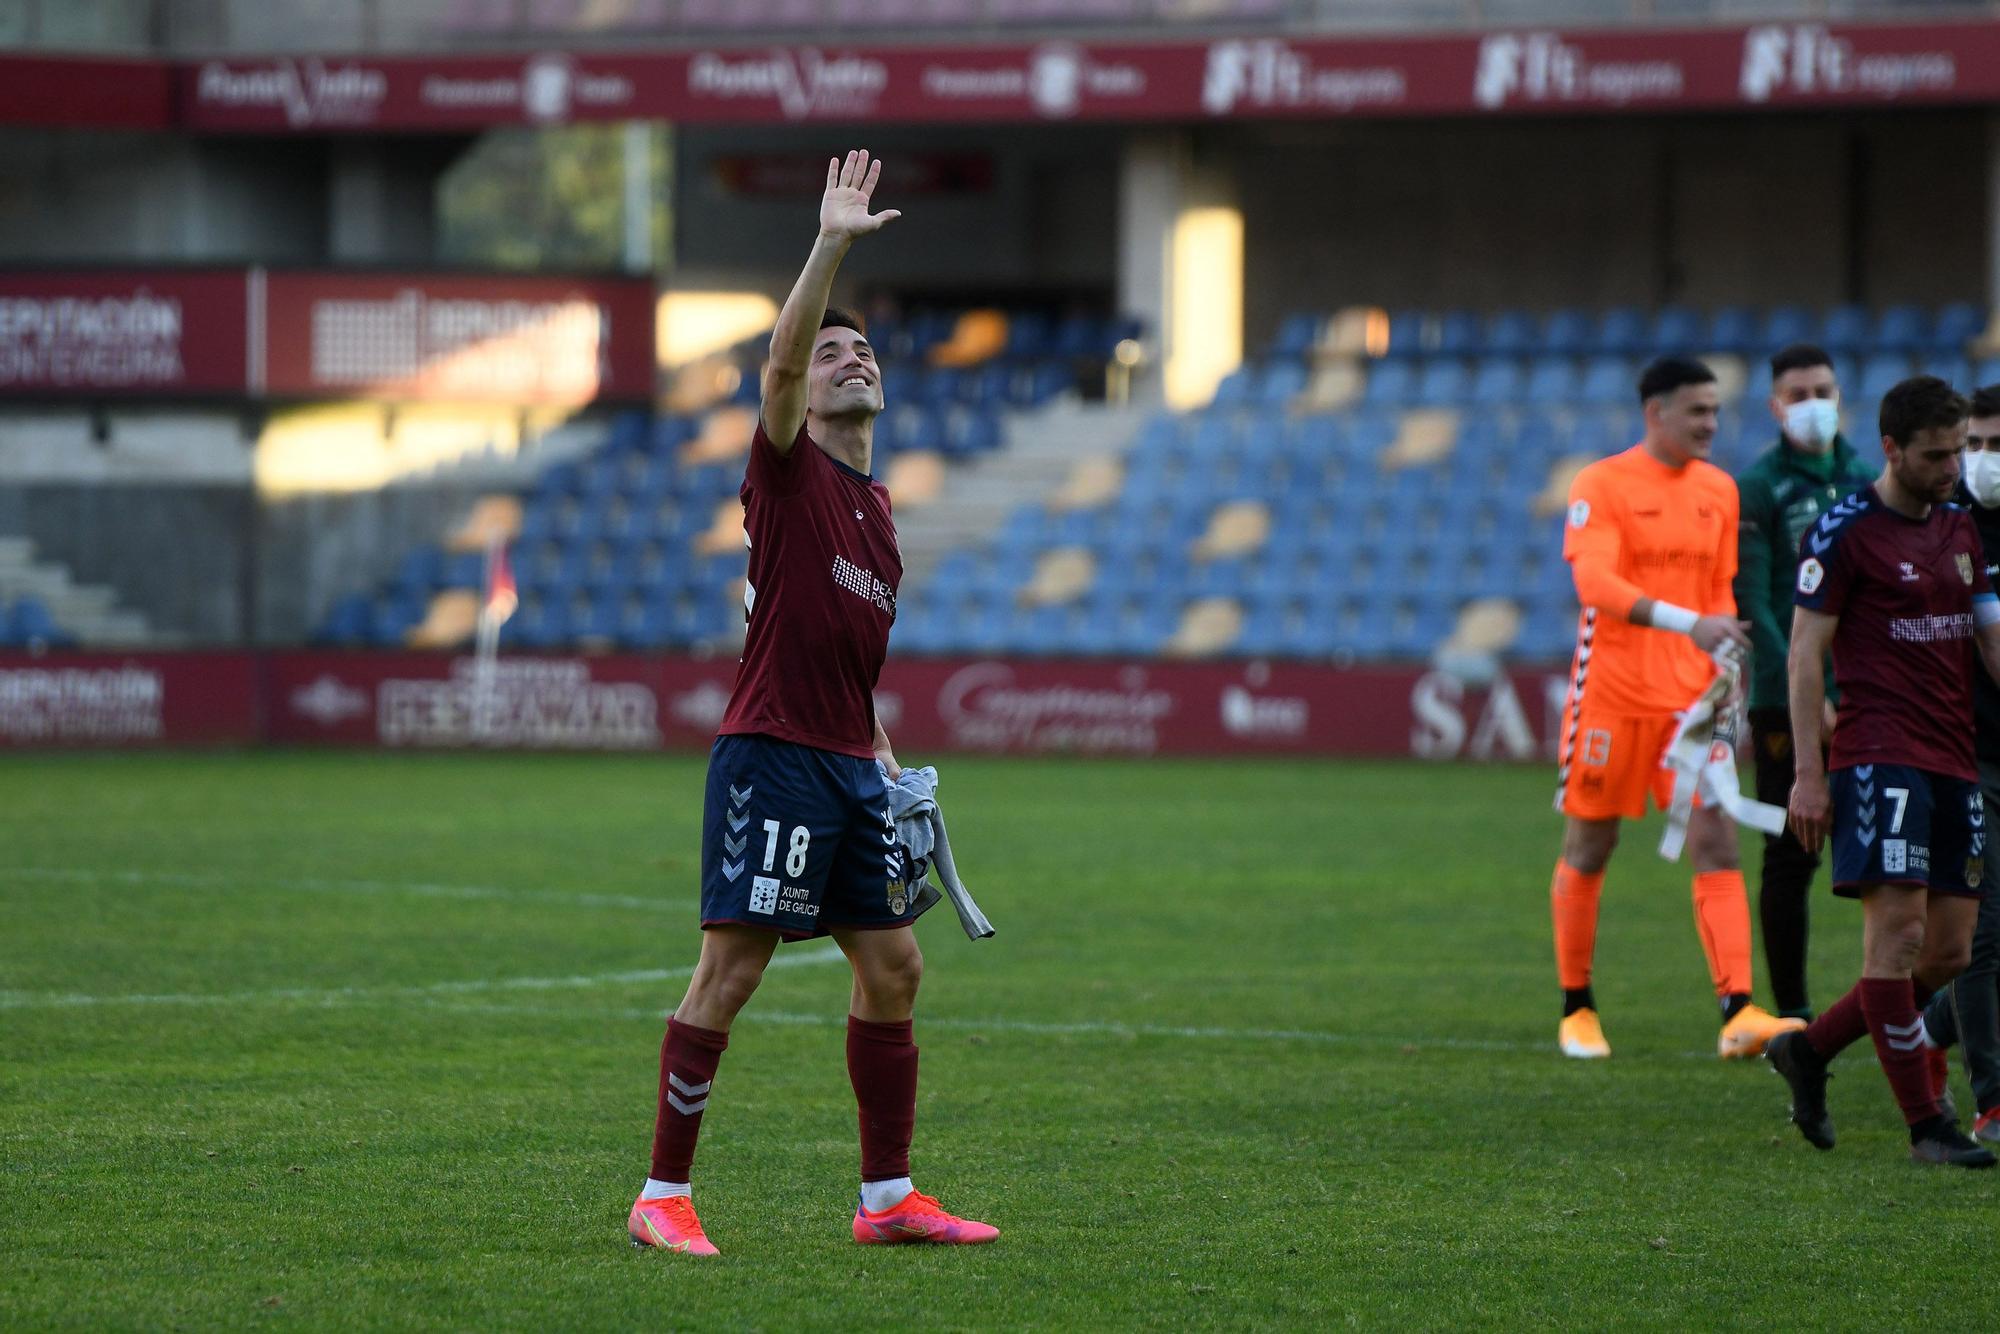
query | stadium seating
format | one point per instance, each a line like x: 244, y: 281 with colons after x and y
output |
x: 28, y: 624
x: 1424, y: 514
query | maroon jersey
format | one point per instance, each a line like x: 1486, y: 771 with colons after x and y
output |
x: 821, y: 597
x: 1903, y: 653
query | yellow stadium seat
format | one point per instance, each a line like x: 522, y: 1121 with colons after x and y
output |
x: 1092, y: 482
x: 979, y: 335
x: 448, y: 622
x: 915, y: 478
x: 1428, y: 436
x: 725, y: 530
x: 1061, y: 576
x: 725, y: 434
x: 493, y: 518
x: 1207, y: 627
x: 1235, y: 529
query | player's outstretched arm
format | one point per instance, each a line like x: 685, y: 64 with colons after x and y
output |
x: 843, y: 215
x: 1811, y: 806
x: 1989, y: 639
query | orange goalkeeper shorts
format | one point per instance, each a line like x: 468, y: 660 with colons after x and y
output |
x: 1611, y: 762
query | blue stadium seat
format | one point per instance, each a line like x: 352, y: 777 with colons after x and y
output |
x: 1607, y: 380
x: 1552, y: 380
x: 1443, y: 383
x: 1568, y: 332
x: 1957, y: 325
x: 1296, y: 335
x: 1408, y: 334
x: 418, y: 574
x: 1460, y: 333
x: 1985, y: 373
x: 1730, y: 329
x: 1905, y: 329
x: 1028, y: 336
x: 1878, y: 376
x: 1281, y: 382
x: 1390, y: 384
x: 1845, y: 329
x: 1621, y: 331
x: 1236, y: 388
x: 1784, y: 325
x: 1509, y: 333
x: 30, y: 625
x: 1676, y: 329
x: 390, y: 619
x: 1499, y: 381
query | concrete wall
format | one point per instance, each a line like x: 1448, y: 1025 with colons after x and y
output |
x: 1049, y: 220
x: 1816, y: 209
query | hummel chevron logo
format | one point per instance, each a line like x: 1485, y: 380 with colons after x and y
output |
x: 1865, y: 772
x: 1820, y: 543
x: 692, y: 1090
x: 685, y: 1108
x: 737, y: 798
x: 737, y: 821
x: 732, y: 870
x: 736, y: 845
x: 1905, y: 1037
x: 1866, y: 814
x: 1865, y: 835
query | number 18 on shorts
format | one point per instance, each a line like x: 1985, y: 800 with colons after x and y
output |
x: 798, y: 840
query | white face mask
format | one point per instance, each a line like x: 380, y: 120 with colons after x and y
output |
x: 1811, y: 423
x: 1982, y: 477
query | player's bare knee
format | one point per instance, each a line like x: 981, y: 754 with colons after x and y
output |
x: 892, y: 980
x: 1588, y: 845
x: 1941, y: 961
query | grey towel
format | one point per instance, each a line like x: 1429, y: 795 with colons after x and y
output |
x: 920, y: 829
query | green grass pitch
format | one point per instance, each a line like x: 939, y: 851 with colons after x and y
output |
x: 332, y: 1041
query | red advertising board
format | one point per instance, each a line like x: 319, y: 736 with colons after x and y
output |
x: 415, y: 336
x: 63, y: 90
x: 108, y: 332
x: 1506, y: 72
x: 458, y: 337
x: 137, y: 699
x: 994, y: 706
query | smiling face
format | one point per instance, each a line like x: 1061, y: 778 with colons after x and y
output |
x: 1684, y: 420
x: 843, y: 379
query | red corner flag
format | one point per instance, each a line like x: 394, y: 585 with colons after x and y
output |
x: 501, y: 597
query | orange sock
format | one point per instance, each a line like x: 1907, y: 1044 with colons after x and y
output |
x: 1573, y: 903
x: 1722, y: 918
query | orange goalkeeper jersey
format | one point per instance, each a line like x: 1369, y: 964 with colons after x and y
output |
x: 1638, y: 528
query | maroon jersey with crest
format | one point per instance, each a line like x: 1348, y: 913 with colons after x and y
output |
x: 1903, y: 653
x: 821, y: 597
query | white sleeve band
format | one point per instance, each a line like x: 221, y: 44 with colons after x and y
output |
x: 1666, y: 616
x: 1986, y: 611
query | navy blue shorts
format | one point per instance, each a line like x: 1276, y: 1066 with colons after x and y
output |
x: 1895, y: 825
x: 799, y: 840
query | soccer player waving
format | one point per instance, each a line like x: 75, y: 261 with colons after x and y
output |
x: 797, y: 839
x: 1891, y: 578
x: 1653, y: 544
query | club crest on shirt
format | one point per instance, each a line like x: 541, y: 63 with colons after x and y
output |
x: 1811, y: 575
x: 899, y: 897
x: 1975, y: 871
x: 1579, y: 514
x: 1965, y: 567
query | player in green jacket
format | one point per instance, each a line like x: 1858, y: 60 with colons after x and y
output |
x: 1783, y: 494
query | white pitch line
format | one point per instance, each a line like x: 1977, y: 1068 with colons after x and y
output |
x: 48, y: 1000
x: 319, y: 885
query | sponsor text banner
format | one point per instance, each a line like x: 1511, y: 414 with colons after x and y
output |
x: 159, y: 333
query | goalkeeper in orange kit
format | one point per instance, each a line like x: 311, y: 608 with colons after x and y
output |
x: 1651, y: 536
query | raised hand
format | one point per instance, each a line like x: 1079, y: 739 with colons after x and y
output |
x: 843, y: 210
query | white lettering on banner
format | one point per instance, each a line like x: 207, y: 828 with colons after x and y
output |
x: 985, y: 710
x: 81, y: 704
x: 329, y: 701
x: 1808, y: 58
x: 467, y: 345
x: 1540, y: 67
x: 1281, y: 717
x: 888, y: 710
x: 802, y: 81
x: 1271, y: 73
x: 310, y: 92
x: 1055, y: 81
x: 1501, y: 731
x: 547, y: 90
x: 109, y: 342
x: 535, y: 703
x: 701, y: 708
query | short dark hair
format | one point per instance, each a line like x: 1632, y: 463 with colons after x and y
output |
x: 837, y: 318
x: 1671, y: 373
x: 1986, y: 401
x: 1920, y: 403
x: 1798, y: 357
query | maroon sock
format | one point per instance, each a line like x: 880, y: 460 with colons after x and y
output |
x: 882, y: 1066
x: 1899, y: 1044
x: 688, y: 1058
x: 1839, y: 1026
